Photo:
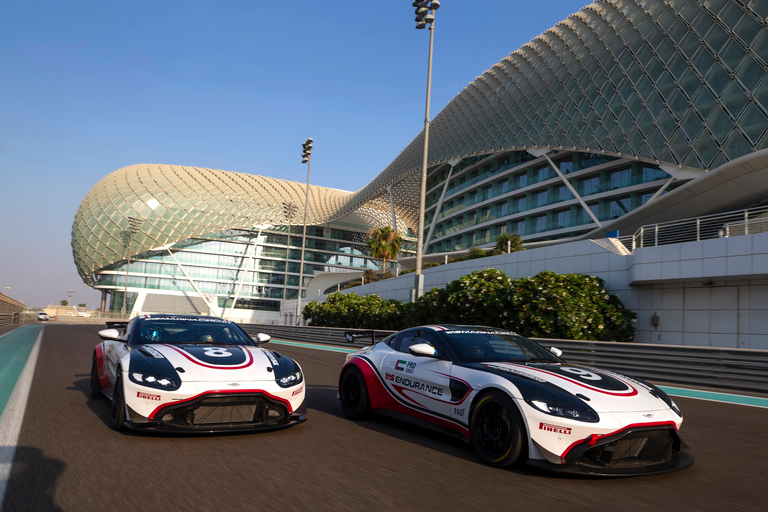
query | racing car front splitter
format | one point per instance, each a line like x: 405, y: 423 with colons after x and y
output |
x: 633, y: 451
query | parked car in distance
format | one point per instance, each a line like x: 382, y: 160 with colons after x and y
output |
x: 43, y: 316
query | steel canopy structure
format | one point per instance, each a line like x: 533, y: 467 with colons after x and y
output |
x: 679, y: 87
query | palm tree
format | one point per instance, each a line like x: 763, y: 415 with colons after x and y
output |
x: 384, y: 243
x: 511, y: 240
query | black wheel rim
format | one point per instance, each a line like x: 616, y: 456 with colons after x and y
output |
x: 494, y: 429
x: 350, y: 392
x: 94, y: 377
x: 117, y: 400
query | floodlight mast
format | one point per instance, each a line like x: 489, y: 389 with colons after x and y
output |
x: 425, y: 15
x: 306, y: 158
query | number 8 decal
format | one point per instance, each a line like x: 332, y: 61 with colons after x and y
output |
x: 217, y: 352
x: 584, y: 374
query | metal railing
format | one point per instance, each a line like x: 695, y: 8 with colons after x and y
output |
x: 721, y: 225
x: 736, y: 369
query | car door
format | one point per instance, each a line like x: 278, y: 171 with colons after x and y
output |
x: 419, y: 382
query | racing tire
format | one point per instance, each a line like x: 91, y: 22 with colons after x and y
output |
x: 497, y: 431
x: 95, y: 383
x: 118, y: 405
x: 353, y: 394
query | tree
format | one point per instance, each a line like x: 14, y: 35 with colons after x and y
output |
x: 514, y: 240
x: 369, y: 276
x: 384, y: 243
x: 64, y: 302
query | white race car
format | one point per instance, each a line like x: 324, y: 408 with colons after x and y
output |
x: 194, y: 374
x: 516, y: 401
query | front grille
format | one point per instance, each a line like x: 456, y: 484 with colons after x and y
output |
x: 225, y: 412
x: 636, y: 448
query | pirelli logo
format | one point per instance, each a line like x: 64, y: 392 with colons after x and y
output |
x: 555, y: 428
x: 147, y: 396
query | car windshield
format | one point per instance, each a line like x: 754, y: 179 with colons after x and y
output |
x: 177, y: 331
x: 496, y: 346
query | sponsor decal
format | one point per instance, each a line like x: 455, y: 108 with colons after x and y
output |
x: 272, y: 358
x: 503, y: 333
x: 147, y: 396
x: 415, y: 384
x: 234, y: 384
x: 555, y: 428
x: 507, y: 369
x: 155, y: 353
x: 186, y: 319
x: 391, y: 364
x: 297, y: 391
x: 405, y: 366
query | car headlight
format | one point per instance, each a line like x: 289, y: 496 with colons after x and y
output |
x: 290, y: 380
x: 153, y: 380
x: 562, y: 410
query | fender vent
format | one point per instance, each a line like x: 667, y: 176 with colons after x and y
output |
x: 458, y: 390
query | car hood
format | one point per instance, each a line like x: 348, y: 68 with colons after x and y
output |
x: 211, y: 363
x: 604, y: 391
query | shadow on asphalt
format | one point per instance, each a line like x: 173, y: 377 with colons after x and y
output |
x: 32, y: 481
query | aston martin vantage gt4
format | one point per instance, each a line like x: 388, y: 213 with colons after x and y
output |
x: 516, y: 401
x: 194, y: 374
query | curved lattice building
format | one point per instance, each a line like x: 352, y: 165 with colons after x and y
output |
x: 626, y: 113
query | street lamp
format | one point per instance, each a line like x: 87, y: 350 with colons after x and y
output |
x: 134, y: 226
x: 425, y: 15
x: 289, y: 209
x: 306, y: 158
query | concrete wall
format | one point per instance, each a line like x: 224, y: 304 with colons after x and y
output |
x: 706, y: 293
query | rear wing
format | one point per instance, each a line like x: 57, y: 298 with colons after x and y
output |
x: 120, y: 326
x: 353, y: 336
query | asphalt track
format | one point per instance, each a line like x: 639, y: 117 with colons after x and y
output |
x: 68, y: 459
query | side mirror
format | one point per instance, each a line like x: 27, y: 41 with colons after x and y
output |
x: 109, y: 334
x: 422, y: 350
x: 556, y: 351
x: 262, y: 338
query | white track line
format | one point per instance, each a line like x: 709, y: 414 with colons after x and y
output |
x: 13, y: 416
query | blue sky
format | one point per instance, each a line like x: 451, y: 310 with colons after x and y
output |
x: 91, y: 86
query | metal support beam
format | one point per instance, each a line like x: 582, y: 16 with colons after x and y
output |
x: 251, y: 251
x: 210, y: 309
x: 453, y: 163
x: 568, y: 184
x: 661, y: 190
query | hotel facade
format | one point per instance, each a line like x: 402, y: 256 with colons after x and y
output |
x: 626, y: 116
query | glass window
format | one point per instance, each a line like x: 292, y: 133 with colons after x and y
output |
x: 541, y: 198
x: 590, y: 185
x: 620, y: 179
x: 563, y: 219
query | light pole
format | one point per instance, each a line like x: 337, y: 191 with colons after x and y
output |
x: 425, y: 15
x: 306, y: 158
x: 6, y: 290
x: 134, y: 226
x: 290, y: 210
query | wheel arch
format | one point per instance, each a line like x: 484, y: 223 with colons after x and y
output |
x: 488, y: 389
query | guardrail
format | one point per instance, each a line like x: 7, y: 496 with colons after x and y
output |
x: 737, y: 369
x: 8, y: 319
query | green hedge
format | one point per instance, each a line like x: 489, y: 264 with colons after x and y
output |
x: 548, y: 305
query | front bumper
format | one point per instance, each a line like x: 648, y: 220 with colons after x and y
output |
x: 219, y: 412
x: 634, y: 451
